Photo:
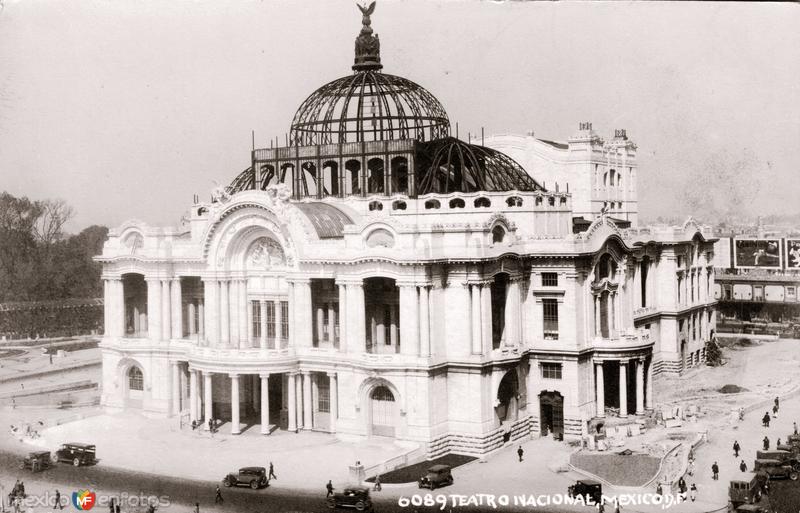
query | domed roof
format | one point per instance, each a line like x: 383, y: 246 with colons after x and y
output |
x: 368, y: 105
x: 452, y: 165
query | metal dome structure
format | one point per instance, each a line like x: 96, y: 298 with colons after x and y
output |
x: 452, y: 165
x: 368, y: 105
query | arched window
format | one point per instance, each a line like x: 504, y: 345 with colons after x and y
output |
x: 432, y: 204
x: 382, y: 394
x: 330, y: 178
x: 498, y: 234
x: 375, y: 205
x: 308, y: 179
x: 352, y: 177
x: 267, y: 175
x: 551, y: 200
x: 563, y: 201
x: 514, y: 201
x: 538, y: 201
x: 398, y: 205
x: 287, y: 176
x: 375, y: 176
x: 605, y: 179
x: 611, y: 175
x: 135, y: 378
x: 482, y: 203
x: 457, y: 203
x: 399, y: 174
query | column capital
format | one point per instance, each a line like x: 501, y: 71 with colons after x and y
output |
x: 624, y: 361
x: 305, y: 372
x: 333, y: 374
x: 233, y: 375
x: 264, y: 375
x: 350, y: 282
x: 479, y: 282
x: 153, y: 279
x: 176, y: 278
x: 299, y: 280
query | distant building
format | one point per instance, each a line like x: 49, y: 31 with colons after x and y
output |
x: 379, y: 277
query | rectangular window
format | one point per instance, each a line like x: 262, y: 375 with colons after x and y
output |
x: 791, y: 293
x: 758, y: 292
x: 324, y: 397
x: 326, y: 336
x: 680, y: 261
x: 727, y: 292
x: 551, y: 370
x: 255, y: 308
x: 550, y: 318
x: 336, y: 321
x: 549, y: 279
x: 284, y: 320
x: 270, y: 319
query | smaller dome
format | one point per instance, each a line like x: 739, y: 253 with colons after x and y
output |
x: 452, y: 165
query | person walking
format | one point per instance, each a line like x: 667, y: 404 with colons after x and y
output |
x: 693, y: 492
x: 682, y: 485
x: 795, y: 427
x: 765, y: 419
x: 775, y: 411
x: 196, y: 507
x: 58, y: 501
x: 111, y: 505
x: 736, y: 448
x: 520, y: 452
x: 777, y: 402
x: 329, y: 488
x: 377, y: 487
x: 218, y: 496
x: 778, y: 444
x: 715, y: 471
x: 271, y: 472
x: 743, y: 466
x: 690, y: 469
x: 766, y: 443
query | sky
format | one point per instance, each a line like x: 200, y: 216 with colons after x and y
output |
x: 126, y: 109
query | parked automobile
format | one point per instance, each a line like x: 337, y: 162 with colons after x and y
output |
x: 745, y: 490
x: 254, y: 477
x: 356, y: 497
x: 775, y: 469
x: 36, y: 461
x: 438, y: 475
x: 751, y: 508
x: 587, y: 489
x: 77, y: 453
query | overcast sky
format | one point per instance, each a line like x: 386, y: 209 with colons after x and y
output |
x: 126, y: 109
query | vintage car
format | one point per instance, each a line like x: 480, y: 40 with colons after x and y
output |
x: 438, y: 475
x: 36, y: 461
x: 254, y: 477
x: 751, y: 508
x: 745, y: 490
x: 356, y: 497
x: 76, y: 453
x: 588, y: 489
x: 775, y: 469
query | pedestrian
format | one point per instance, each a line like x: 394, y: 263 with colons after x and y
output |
x: 778, y: 444
x: 765, y: 488
x: 765, y: 419
x: 601, y: 508
x: 659, y: 490
x: 775, y: 411
x: 218, y: 496
x: 766, y: 443
x: 715, y: 471
x: 690, y: 469
x: 743, y: 466
x: 58, y: 501
x: 196, y: 507
x: 693, y: 492
x: 117, y: 507
x: 111, y: 505
x: 682, y: 485
x: 777, y: 402
x: 51, y: 358
x: 736, y: 448
x: 795, y: 428
x: 329, y: 488
x: 617, y: 507
x: 741, y: 413
x: 520, y: 452
x: 271, y: 472
x: 377, y: 487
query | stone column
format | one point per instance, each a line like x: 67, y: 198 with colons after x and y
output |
x: 319, y: 323
x: 512, y: 312
x: 193, y: 397
x: 648, y: 396
x: 264, y: 403
x: 343, y: 333
x: 292, y: 316
x: 278, y: 321
x: 263, y: 309
x: 119, y: 307
x: 107, y: 308
x: 334, y: 402
x: 207, y: 399
x: 298, y: 394
x: 303, y: 314
x: 477, y: 328
x: 356, y: 328
x: 600, y: 391
x: 292, y: 406
x: 307, y: 404
x: 224, y: 314
x: 201, y: 320
x: 409, y: 320
x: 623, y: 388
x: 598, y: 330
x: 191, y: 314
x: 424, y: 322
x: 211, y: 311
x: 166, y: 328
x: 176, y: 389
x: 235, y: 404
x: 154, y: 309
x: 244, y: 318
x: 332, y: 325
x: 639, y: 386
x: 486, y: 318
x: 233, y: 313
x: 177, y: 308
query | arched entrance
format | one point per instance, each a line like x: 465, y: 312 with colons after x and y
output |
x: 383, y: 411
x: 551, y: 414
x: 507, y: 404
x: 134, y: 387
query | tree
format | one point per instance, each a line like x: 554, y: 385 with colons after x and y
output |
x: 50, y: 223
x: 17, y: 246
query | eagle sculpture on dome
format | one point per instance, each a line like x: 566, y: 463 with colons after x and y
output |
x: 368, y: 46
x: 366, y: 11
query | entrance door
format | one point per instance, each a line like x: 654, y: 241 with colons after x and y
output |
x: 551, y: 406
x: 383, y: 408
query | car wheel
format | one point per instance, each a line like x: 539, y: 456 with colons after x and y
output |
x: 450, y: 480
x: 227, y: 482
x: 793, y: 476
x: 419, y: 485
x: 331, y: 503
x: 22, y: 465
x: 360, y: 506
x: 76, y: 462
x: 254, y: 484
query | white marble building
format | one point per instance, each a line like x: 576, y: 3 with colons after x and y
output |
x: 378, y: 277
